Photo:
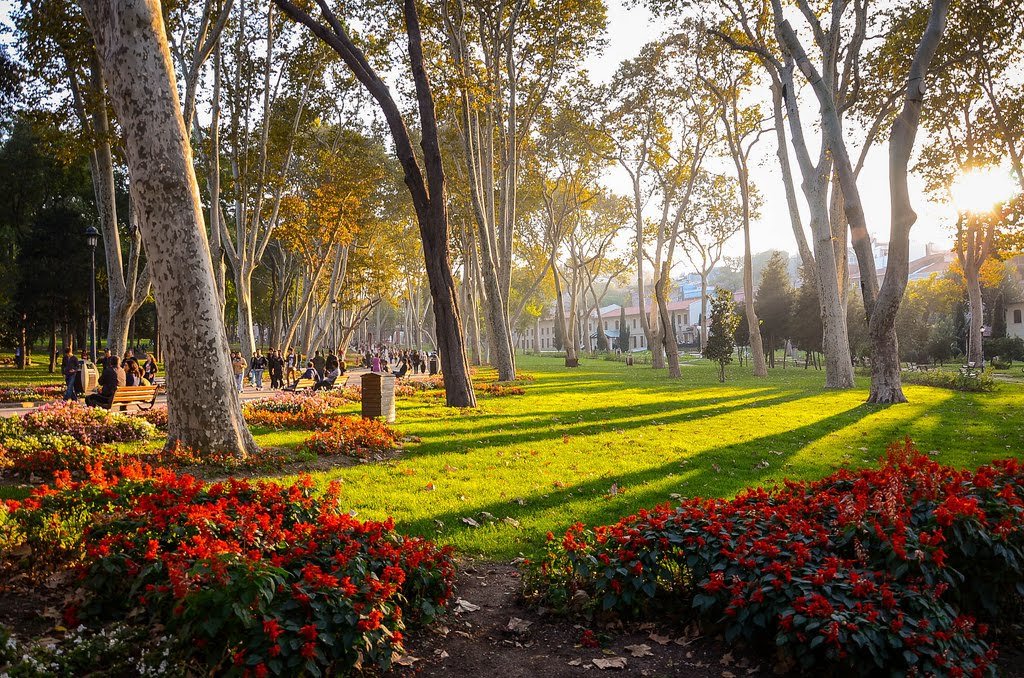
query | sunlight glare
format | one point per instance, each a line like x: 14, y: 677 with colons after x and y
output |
x: 981, y: 189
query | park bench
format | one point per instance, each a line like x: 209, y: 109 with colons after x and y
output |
x: 302, y: 385
x: 971, y: 370
x: 133, y: 395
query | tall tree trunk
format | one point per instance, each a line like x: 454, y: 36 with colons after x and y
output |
x: 975, y: 336
x: 426, y: 184
x: 668, y: 330
x: 885, y: 359
x: 204, y: 411
x: 567, y: 343
x: 753, y: 325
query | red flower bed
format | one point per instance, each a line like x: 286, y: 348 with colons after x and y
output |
x: 892, y: 568
x: 251, y: 577
x: 353, y: 437
x: 500, y: 390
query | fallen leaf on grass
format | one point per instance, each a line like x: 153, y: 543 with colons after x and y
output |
x: 610, y: 663
x: 642, y: 650
x: 469, y: 521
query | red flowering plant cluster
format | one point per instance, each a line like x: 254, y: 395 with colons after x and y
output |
x: 896, y: 568
x: 253, y: 578
x: 353, y: 437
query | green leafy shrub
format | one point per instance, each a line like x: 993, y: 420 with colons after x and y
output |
x: 952, y: 380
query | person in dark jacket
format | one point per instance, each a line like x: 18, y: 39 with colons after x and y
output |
x: 111, y: 379
x: 276, y: 364
x: 69, y: 367
x: 256, y: 367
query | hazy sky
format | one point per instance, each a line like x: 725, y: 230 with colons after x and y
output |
x: 630, y: 28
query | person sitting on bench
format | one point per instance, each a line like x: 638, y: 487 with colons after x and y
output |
x: 327, y: 383
x: 310, y: 373
x: 403, y: 369
x: 111, y: 378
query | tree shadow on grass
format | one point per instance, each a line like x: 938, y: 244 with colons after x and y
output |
x: 592, y: 502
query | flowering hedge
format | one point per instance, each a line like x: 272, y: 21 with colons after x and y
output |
x: 258, y: 578
x: 31, y: 394
x: 500, y: 390
x: 893, y: 568
x: 352, y: 437
x: 306, y: 409
x: 38, y: 443
x: 87, y: 425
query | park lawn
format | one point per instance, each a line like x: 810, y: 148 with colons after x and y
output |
x: 599, y: 442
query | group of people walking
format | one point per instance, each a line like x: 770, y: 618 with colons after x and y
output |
x: 114, y: 373
x: 284, y: 369
x: 381, y: 359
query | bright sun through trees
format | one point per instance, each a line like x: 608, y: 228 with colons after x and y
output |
x: 511, y: 338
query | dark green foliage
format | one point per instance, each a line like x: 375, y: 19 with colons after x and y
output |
x: 774, y: 304
x: 721, y: 330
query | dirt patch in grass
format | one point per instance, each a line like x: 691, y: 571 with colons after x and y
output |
x: 492, y: 633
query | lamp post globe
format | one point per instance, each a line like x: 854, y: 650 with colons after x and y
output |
x: 92, y: 236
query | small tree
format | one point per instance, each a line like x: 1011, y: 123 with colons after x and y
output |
x: 724, y: 322
x: 623, y: 330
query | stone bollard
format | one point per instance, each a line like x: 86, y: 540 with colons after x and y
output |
x: 378, y: 396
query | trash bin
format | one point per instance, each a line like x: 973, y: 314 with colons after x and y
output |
x: 378, y: 396
x: 433, y: 364
x: 88, y: 378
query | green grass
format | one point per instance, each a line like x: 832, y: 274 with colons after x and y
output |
x: 561, y: 447
x: 37, y: 374
x: 550, y: 458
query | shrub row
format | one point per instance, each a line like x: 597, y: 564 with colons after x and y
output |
x: 65, y: 436
x: 951, y: 380
x: 893, y: 569
x: 352, y: 437
x: 259, y: 578
x: 30, y: 394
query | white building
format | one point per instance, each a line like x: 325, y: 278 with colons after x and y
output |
x: 1015, y: 319
x: 542, y: 336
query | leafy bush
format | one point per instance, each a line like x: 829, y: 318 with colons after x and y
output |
x: 951, y: 380
x: 352, y: 437
x: 31, y: 394
x: 87, y: 425
x: 24, y: 453
x: 248, y: 577
x: 155, y: 416
x: 885, y: 569
x: 1007, y: 348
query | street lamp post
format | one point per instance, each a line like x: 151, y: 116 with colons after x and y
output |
x: 92, y: 236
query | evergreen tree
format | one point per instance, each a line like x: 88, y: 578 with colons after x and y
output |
x: 774, y: 304
x: 806, y: 330
x: 722, y: 329
x: 623, y: 330
x: 558, y: 339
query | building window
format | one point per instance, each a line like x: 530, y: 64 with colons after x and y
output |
x: 1016, y: 316
x: 634, y: 323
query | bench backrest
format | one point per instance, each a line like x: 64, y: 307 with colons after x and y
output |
x: 133, y: 393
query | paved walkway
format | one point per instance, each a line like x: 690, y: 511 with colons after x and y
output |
x: 353, y: 377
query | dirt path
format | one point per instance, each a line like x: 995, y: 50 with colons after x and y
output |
x: 503, y: 638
